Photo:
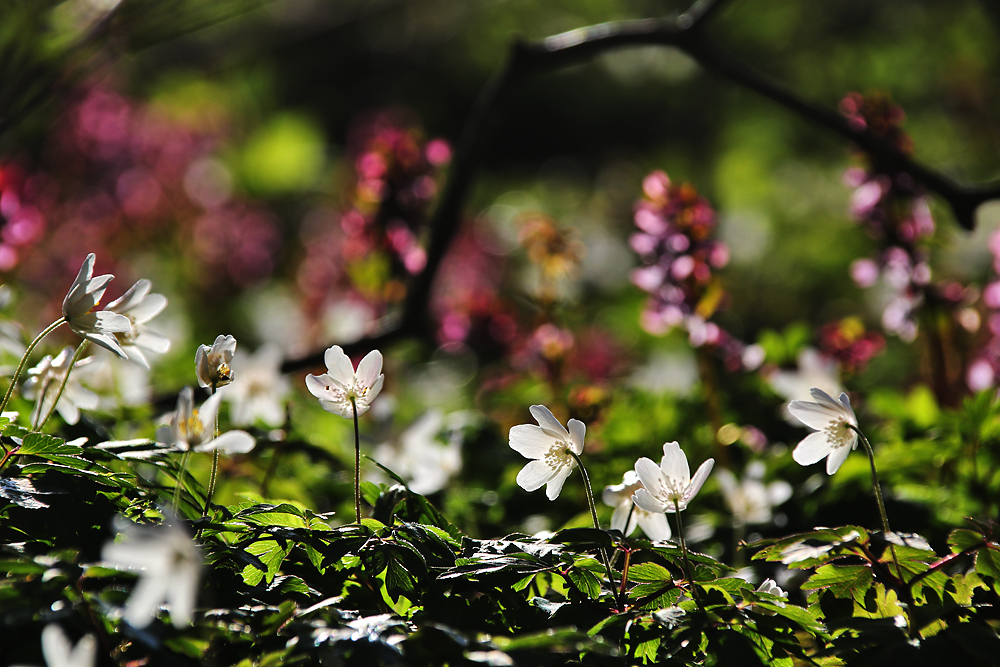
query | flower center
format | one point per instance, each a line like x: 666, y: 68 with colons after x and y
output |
x: 838, y: 433
x: 558, y: 455
x: 191, y: 429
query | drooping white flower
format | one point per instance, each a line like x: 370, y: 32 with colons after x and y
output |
x: 750, y: 499
x: 619, y: 496
x: 833, y: 438
x: 429, y: 452
x: 213, y: 364
x: 139, y: 306
x: 669, y: 487
x: 59, y: 652
x: 43, y: 383
x: 260, y: 389
x: 340, y: 389
x: 191, y: 428
x: 549, y: 444
x: 79, y: 304
x: 169, y: 563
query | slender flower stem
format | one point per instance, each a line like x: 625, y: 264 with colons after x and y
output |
x: 24, y: 359
x: 357, y: 464
x: 213, y: 477
x: 62, y: 385
x: 878, y: 496
x: 684, y: 553
x: 597, y: 525
x: 628, y: 558
x: 180, y: 480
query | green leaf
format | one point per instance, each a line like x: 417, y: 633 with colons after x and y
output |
x: 965, y: 586
x: 962, y: 540
x: 44, y: 445
x: 797, y: 615
x: 988, y: 561
x: 648, y: 572
x: 271, y: 554
x: 586, y: 581
x: 841, y: 580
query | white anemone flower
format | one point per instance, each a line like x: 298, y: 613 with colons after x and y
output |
x: 749, y: 498
x: 340, y: 390
x: 260, y: 389
x: 43, y: 383
x: 80, y: 302
x: 191, y: 428
x: 213, y: 364
x: 139, y: 306
x: 550, y: 445
x: 59, y: 652
x: 833, y: 438
x: 619, y: 496
x: 669, y: 487
x: 169, y: 563
x: 429, y: 452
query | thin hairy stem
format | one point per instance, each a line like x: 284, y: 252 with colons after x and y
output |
x: 175, y: 505
x: 878, y: 496
x: 24, y: 359
x: 597, y: 525
x: 213, y: 477
x: 684, y: 553
x: 62, y: 385
x: 357, y: 464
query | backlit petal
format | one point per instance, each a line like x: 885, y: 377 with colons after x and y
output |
x: 532, y: 476
x: 651, y: 477
x: 577, y: 433
x: 813, y: 448
x: 548, y: 421
x: 645, y: 501
x: 369, y: 369
x: 836, y: 459
x: 530, y: 441
x: 674, y: 464
x: 339, y: 365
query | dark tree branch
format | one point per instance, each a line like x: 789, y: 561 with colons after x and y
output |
x: 684, y: 33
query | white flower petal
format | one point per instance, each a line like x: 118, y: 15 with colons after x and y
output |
x: 339, y: 365
x: 699, y: 478
x: 812, y: 449
x: 548, y: 421
x: 230, y: 442
x: 530, y: 441
x: 532, y: 476
x: 369, y: 369
x: 645, y: 501
x: 555, y: 483
x: 152, y: 341
x: 577, y: 434
x: 652, y: 479
x: 836, y: 459
x: 674, y: 465
x: 341, y: 409
x: 208, y: 411
x: 621, y: 515
x: 376, y: 388
x: 147, y: 596
x: 183, y: 592
x: 654, y: 524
